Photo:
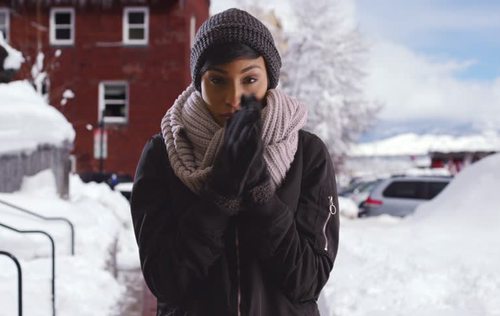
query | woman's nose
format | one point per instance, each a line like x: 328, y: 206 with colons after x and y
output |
x: 233, y: 97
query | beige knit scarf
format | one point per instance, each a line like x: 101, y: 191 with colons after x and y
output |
x: 192, y: 136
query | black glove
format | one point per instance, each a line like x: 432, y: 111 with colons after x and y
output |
x: 257, y: 186
x: 241, y: 143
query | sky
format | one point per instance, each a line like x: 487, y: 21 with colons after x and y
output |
x: 442, y: 29
x: 432, y: 64
x: 434, y: 60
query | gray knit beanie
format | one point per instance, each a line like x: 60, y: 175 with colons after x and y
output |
x: 235, y: 26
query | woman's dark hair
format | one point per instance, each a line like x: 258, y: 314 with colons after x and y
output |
x: 225, y: 53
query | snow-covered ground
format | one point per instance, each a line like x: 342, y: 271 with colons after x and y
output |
x: 85, y: 284
x: 444, y: 260
x: 441, y: 261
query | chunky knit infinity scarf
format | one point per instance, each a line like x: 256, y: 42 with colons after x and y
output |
x: 192, y: 136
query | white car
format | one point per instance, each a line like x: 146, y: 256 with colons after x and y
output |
x: 399, y: 196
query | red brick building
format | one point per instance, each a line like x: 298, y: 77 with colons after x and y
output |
x: 124, y: 60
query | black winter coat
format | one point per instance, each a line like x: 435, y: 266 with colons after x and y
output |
x: 269, y: 260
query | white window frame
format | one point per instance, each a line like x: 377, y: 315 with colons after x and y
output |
x: 7, y: 23
x: 102, y: 103
x: 126, y: 26
x: 53, y: 39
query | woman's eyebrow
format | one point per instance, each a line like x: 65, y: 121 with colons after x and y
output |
x: 216, y: 69
x: 250, y: 68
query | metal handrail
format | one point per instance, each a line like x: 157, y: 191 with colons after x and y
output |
x: 64, y: 219
x: 53, y: 258
x: 19, y: 281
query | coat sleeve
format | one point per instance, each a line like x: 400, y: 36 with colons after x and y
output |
x: 177, y: 244
x: 299, y: 248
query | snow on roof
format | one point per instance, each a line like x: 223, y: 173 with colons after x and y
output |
x: 26, y: 121
x: 14, y: 58
x: 413, y: 144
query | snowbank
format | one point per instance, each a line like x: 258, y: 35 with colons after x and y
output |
x: 84, y: 282
x: 26, y: 121
x: 470, y: 199
x: 442, y: 261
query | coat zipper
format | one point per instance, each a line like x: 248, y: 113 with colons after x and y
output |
x: 238, y: 269
x: 332, y: 210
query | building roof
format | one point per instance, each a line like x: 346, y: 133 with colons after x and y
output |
x: 416, y: 145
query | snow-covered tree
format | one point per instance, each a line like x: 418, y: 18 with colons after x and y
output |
x: 40, y: 74
x: 39, y: 77
x: 323, y: 66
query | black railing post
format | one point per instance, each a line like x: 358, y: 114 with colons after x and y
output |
x: 67, y: 221
x: 53, y: 258
x: 19, y: 281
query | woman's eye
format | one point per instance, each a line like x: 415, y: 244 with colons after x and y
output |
x: 216, y: 80
x: 250, y: 80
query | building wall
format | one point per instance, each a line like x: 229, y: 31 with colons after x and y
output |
x: 155, y: 73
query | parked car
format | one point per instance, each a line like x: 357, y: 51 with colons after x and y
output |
x: 399, y: 196
x: 359, y: 191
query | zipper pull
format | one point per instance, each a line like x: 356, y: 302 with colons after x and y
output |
x: 331, y: 207
x: 332, y: 210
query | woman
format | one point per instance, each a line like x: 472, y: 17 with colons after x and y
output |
x: 234, y: 206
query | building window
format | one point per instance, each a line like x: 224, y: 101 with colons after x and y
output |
x: 136, y: 25
x: 62, y: 26
x: 113, y: 102
x: 4, y: 23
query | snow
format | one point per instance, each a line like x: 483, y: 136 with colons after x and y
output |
x: 413, y: 144
x: 14, y: 57
x: 84, y: 283
x: 39, y: 76
x: 27, y: 121
x: 124, y: 187
x: 348, y: 207
x: 441, y: 261
x: 477, y: 186
x: 68, y: 94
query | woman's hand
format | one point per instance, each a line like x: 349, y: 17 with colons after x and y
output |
x: 239, y: 163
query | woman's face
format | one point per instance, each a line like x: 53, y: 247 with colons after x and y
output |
x: 223, y: 85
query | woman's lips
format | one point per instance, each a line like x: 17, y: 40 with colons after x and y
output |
x: 226, y: 115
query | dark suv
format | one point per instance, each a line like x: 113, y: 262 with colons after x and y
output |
x: 399, y: 196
